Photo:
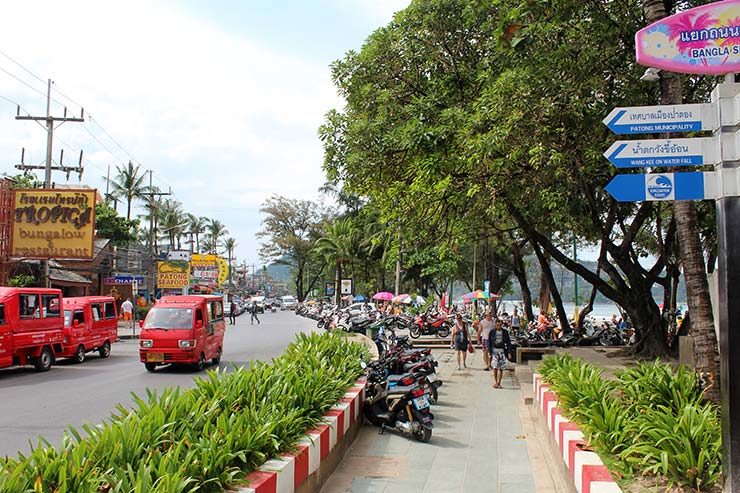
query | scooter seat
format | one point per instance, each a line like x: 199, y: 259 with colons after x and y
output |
x: 400, y: 390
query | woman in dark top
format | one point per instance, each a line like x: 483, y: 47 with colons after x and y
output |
x: 460, y: 339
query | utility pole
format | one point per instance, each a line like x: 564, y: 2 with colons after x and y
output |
x: 151, y: 193
x: 48, y: 165
x: 398, y: 266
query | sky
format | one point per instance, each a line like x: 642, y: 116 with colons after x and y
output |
x: 221, y: 99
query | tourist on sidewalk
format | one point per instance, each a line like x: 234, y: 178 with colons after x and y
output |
x: 128, y: 314
x: 499, y: 346
x: 460, y: 336
x: 484, y: 328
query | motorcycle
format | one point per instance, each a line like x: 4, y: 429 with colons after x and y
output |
x: 427, y: 324
x: 406, y: 408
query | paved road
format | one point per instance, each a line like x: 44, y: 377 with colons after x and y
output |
x: 33, y: 404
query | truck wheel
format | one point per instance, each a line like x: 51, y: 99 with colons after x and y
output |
x: 79, y: 356
x: 201, y: 362
x: 217, y: 359
x: 44, y: 360
x: 150, y: 367
x: 104, y: 350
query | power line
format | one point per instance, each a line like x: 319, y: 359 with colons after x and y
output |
x: 22, y: 66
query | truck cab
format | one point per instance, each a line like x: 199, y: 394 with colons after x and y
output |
x: 31, y: 326
x: 90, y: 324
x: 183, y: 330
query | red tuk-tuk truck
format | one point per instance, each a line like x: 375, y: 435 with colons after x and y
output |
x: 183, y: 330
x: 90, y: 324
x: 31, y: 326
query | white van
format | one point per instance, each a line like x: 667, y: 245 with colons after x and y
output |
x: 288, y: 303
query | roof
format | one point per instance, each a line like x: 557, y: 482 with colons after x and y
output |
x: 58, y: 273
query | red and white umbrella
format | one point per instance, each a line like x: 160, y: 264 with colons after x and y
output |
x: 383, y: 296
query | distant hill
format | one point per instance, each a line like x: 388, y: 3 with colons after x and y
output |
x: 279, y: 272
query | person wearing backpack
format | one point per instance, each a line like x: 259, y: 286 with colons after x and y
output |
x: 499, y: 347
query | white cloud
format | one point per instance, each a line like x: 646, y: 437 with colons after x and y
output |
x: 222, y: 119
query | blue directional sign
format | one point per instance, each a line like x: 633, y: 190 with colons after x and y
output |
x: 664, y: 152
x: 658, y: 119
x: 657, y: 187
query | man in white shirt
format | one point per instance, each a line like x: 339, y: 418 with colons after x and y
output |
x: 484, y: 328
x: 128, y: 313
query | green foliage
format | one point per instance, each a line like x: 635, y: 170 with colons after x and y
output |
x: 22, y: 281
x: 110, y: 225
x: 23, y: 180
x: 650, y: 420
x: 202, y: 439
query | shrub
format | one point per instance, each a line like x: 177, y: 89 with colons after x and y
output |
x: 202, y: 439
x: 651, y: 420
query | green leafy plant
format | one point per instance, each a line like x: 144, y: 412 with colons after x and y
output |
x: 203, y: 439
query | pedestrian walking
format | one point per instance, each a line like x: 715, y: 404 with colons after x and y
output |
x: 232, y: 313
x: 516, y: 322
x: 253, y: 311
x: 484, y: 328
x: 499, y: 346
x: 128, y: 313
x: 460, y: 336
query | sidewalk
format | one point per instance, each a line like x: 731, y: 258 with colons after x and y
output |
x: 477, y: 446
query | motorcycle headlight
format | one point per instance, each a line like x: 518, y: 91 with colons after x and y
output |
x: 146, y: 343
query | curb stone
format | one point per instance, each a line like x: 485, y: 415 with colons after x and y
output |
x: 588, y: 471
x: 293, y: 472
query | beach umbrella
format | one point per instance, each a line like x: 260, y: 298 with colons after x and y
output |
x: 401, y: 298
x: 383, y: 296
x: 359, y: 297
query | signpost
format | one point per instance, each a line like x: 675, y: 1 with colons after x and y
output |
x: 702, y: 40
x: 658, y: 119
x: 664, y: 152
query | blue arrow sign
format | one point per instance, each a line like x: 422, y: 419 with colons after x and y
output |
x: 656, y: 187
x: 663, y: 152
x: 658, y: 119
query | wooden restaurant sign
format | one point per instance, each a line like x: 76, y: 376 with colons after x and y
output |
x: 702, y: 40
x: 53, y: 223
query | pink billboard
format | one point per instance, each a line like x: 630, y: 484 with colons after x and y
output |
x: 702, y: 40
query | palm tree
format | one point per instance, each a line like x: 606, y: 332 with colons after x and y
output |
x: 230, y: 245
x: 706, y: 352
x: 216, y: 230
x: 172, y: 221
x: 196, y: 226
x: 338, y: 247
x: 128, y: 184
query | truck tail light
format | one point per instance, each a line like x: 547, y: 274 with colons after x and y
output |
x: 186, y: 343
x: 146, y: 343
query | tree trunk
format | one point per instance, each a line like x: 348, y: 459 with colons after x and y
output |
x: 549, y: 280
x: 520, y: 271
x: 545, y: 286
x: 338, y: 283
x: 706, y: 352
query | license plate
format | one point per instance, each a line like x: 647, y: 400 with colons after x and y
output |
x: 421, y: 402
x: 432, y: 378
x: 155, y: 357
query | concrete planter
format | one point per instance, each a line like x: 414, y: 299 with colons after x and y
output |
x: 317, y: 454
x: 587, y: 470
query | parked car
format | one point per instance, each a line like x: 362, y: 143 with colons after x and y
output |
x: 288, y: 303
x: 90, y: 324
x: 359, y: 308
x: 183, y: 330
x: 31, y: 326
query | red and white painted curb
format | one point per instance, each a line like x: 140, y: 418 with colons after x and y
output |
x: 589, y: 473
x: 287, y: 473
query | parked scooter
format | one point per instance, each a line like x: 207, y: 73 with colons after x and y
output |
x: 405, y: 408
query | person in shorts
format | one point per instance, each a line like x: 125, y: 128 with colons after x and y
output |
x: 499, y: 346
x: 484, y: 328
x: 460, y: 339
x: 128, y: 313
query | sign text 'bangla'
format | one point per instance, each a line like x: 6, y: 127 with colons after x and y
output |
x: 702, y: 40
x: 50, y: 223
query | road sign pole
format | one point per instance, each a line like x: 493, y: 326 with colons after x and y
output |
x: 728, y: 253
